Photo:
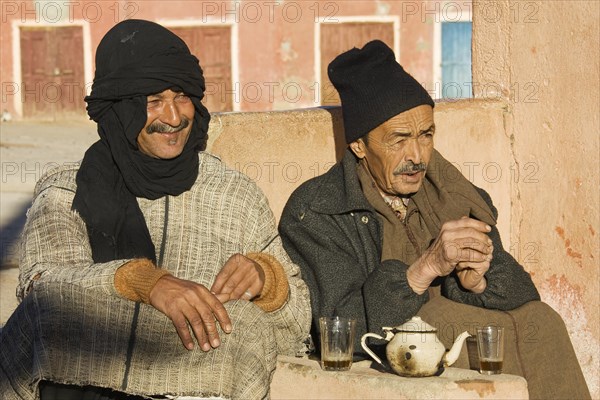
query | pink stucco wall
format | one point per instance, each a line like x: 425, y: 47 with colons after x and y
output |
x: 543, y: 57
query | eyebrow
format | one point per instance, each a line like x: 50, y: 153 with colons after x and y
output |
x: 406, y: 134
x: 401, y: 133
x: 430, y: 128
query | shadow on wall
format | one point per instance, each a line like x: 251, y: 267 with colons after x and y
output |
x: 339, y: 137
x: 279, y: 150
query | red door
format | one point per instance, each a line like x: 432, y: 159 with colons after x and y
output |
x: 52, y: 72
x: 212, y: 46
x: 337, y: 38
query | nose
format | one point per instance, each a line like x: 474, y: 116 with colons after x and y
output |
x: 170, y: 114
x: 413, y: 151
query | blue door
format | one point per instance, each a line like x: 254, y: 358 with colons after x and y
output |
x: 456, y: 60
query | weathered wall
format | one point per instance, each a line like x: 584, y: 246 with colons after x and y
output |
x: 543, y: 57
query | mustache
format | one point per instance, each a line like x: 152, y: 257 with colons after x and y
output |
x: 410, y: 167
x: 158, y: 127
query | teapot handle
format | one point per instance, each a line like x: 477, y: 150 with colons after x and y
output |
x: 363, y: 343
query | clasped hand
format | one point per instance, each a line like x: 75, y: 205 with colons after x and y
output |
x: 192, y: 306
x: 462, y: 246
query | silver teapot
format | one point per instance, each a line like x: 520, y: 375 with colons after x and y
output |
x: 414, y: 348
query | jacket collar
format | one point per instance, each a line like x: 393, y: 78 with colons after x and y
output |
x: 340, y: 191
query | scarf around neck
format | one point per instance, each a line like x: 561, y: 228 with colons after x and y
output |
x: 447, y: 195
x: 135, y: 59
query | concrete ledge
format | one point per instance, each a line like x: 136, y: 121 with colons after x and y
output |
x: 297, y: 378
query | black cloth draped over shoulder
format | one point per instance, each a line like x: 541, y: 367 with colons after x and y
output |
x: 135, y: 59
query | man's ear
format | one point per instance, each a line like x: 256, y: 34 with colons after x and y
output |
x: 358, y: 147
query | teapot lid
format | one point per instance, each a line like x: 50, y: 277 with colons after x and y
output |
x: 415, y: 324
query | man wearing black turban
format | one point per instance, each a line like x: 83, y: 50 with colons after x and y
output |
x: 137, y: 59
x: 150, y: 243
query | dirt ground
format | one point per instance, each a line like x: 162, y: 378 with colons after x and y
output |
x: 27, y: 151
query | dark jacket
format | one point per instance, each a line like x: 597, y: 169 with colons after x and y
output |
x: 332, y: 232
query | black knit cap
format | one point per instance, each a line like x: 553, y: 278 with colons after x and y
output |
x: 373, y: 88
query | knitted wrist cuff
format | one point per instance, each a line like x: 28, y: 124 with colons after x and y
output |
x: 276, y: 289
x: 135, y: 279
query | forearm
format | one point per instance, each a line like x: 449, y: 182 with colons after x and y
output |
x: 499, y: 294
x: 389, y: 297
x: 55, y: 247
x: 419, y: 275
x: 343, y: 280
x: 508, y: 285
x: 292, y: 318
x: 99, y: 276
x: 275, y: 291
x: 383, y: 299
x: 136, y: 279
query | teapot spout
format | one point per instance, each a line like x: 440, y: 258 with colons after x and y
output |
x: 452, y: 355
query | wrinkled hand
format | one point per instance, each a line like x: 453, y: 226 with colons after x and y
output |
x: 186, y: 302
x: 461, y: 244
x: 460, y: 241
x: 239, y: 278
x: 472, y: 275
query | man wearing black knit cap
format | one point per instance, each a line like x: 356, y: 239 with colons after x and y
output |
x: 385, y: 234
x: 151, y: 269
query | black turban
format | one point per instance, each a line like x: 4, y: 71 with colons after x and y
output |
x: 135, y: 59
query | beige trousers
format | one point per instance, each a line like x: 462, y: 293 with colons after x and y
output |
x: 537, y: 345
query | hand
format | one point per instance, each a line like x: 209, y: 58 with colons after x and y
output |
x: 239, y: 278
x: 459, y: 241
x: 472, y: 275
x: 186, y: 302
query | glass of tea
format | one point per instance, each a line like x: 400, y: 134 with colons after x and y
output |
x: 490, y: 347
x: 337, y: 343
